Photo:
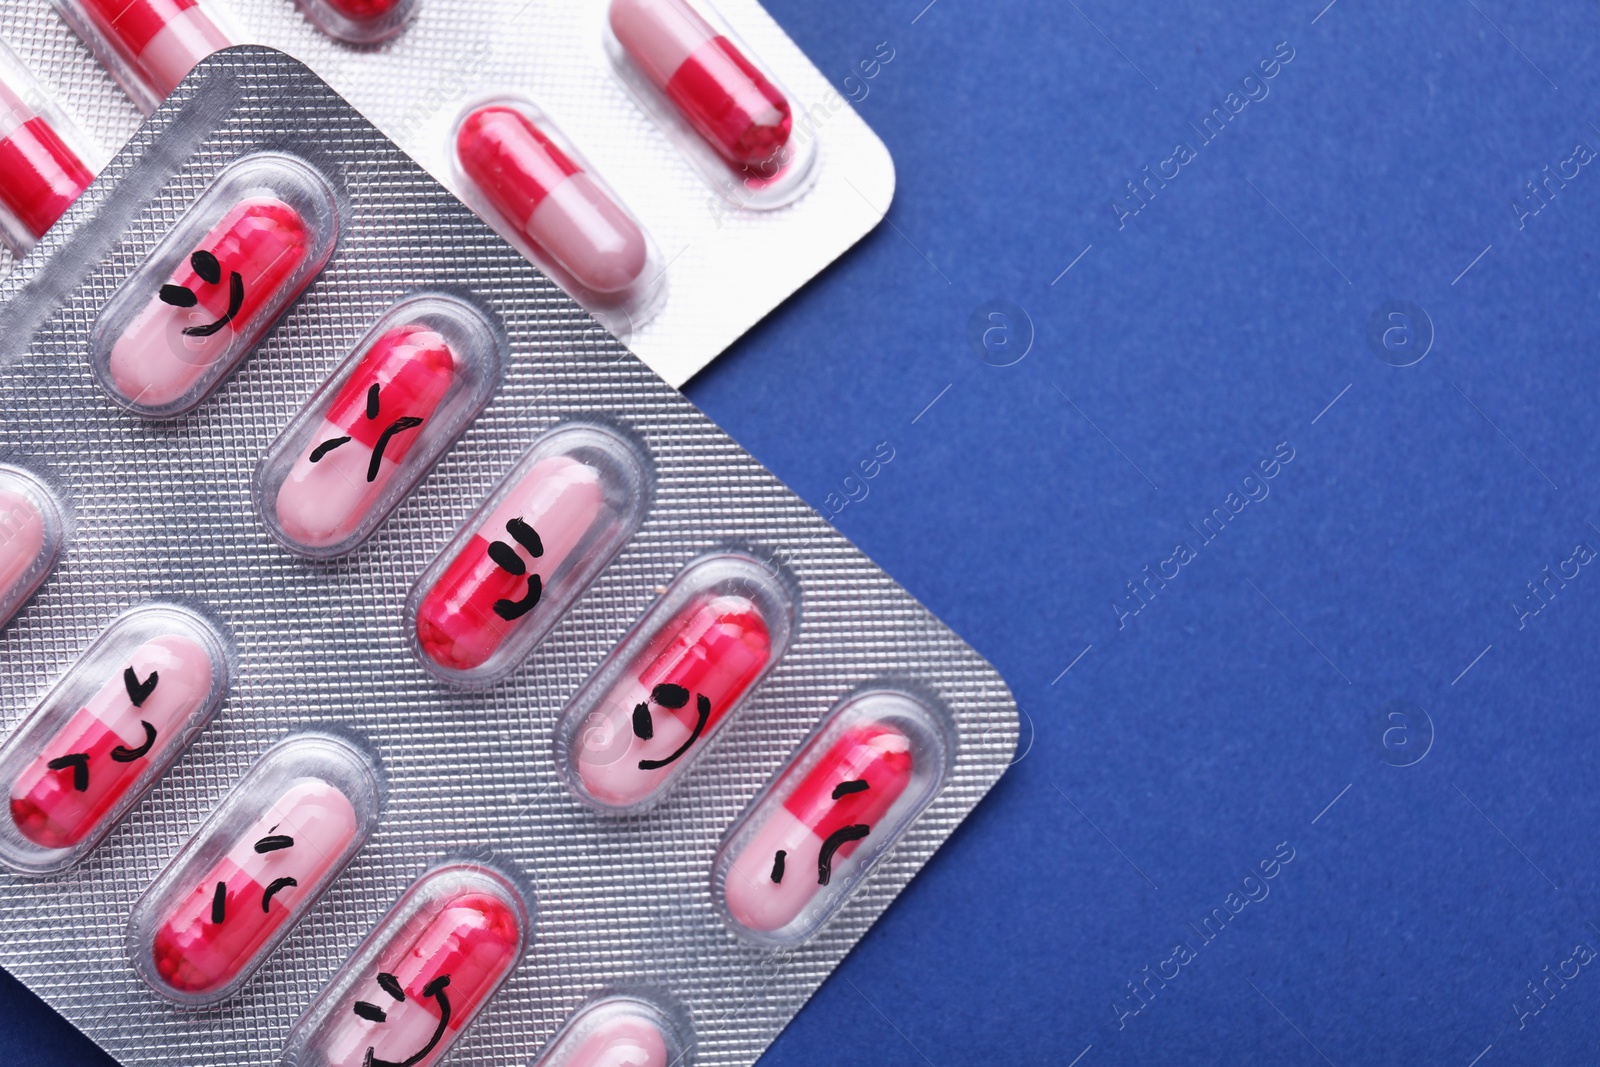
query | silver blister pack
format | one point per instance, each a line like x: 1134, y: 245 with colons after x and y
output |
x: 726, y: 259
x: 624, y: 904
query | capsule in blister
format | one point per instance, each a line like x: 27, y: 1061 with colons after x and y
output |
x: 519, y: 171
x: 43, y: 162
x: 809, y: 839
x: 681, y: 54
x: 656, y: 702
x: 421, y: 976
x: 108, y: 729
x: 255, y: 867
x: 32, y: 531
x: 147, y: 45
x: 618, y: 1030
x: 359, y: 21
x: 373, y: 431
x: 213, y: 287
x: 546, y: 532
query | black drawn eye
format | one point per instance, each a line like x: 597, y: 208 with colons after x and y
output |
x: 205, y: 264
x: 179, y: 296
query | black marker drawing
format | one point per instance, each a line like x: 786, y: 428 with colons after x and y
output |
x: 372, y: 1013
x: 139, y: 692
x: 839, y: 837
x: 123, y: 754
x: 210, y: 271
x: 79, y: 762
x: 400, y: 425
x: 671, y: 697
x: 505, y: 557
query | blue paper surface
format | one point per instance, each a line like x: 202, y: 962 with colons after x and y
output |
x: 1368, y: 674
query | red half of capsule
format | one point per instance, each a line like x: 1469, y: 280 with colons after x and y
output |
x: 430, y: 983
x: 820, y: 822
x: 213, y: 298
x: 40, y: 176
x: 161, y: 39
x: 370, y: 427
x: 713, y: 651
x: 363, y: 10
x: 724, y: 96
x: 563, y: 212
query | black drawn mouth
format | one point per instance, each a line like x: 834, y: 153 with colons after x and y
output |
x: 434, y: 989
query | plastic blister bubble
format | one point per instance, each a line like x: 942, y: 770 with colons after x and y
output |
x: 166, y: 509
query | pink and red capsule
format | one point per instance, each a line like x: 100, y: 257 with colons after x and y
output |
x: 210, y: 290
x: 510, y: 574
x: 658, y: 700
x: 149, y: 45
x: 516, y: 165
x: 793, y: 859
x: 619, y: 1030
x: 42, y: 162
x: 375, y: 429
x: 421, y: 977
x: 255, y: 867
x: 113, y: 724
x: 728, y: 100
x: 359, y: 21
x: 32, y: 532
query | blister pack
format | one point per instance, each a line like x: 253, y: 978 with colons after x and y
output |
x: 677, y: 166
x: 400, y: 669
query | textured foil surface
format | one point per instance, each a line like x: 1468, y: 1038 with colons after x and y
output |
x: 163, y: 509
x: 727, y: 268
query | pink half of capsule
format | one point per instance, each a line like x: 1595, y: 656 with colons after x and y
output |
x: 22, y: 540
x: 369, y: 429
x: 129, y: 723
x: 717, y: 89
x: 555, y: 204
x: 498, y: 578
x: 429, y: 984
x: 819, y: 822
x: 621, y: 1041
x: 40, y: 176
x: 213, y: 299
x: 264, y: 883
x: 161, y: 40
x: 653, y: 717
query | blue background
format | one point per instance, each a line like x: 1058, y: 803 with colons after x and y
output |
x: 1442, y: 859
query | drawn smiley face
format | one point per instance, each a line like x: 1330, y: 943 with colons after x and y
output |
x: 373, y: 1013
x: 209, y: 270
x: 671, y: 697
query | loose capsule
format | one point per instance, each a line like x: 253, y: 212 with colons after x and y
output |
x: 158, y: 674
x: 427, y: 970
x: 157, y: 42
x: 213, y: 287
x: 725, y: 97
x: 562, y: 212
x: 555, y: 522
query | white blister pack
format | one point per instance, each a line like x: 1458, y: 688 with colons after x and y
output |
x: 679, y: 168
x: 400, y: 670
